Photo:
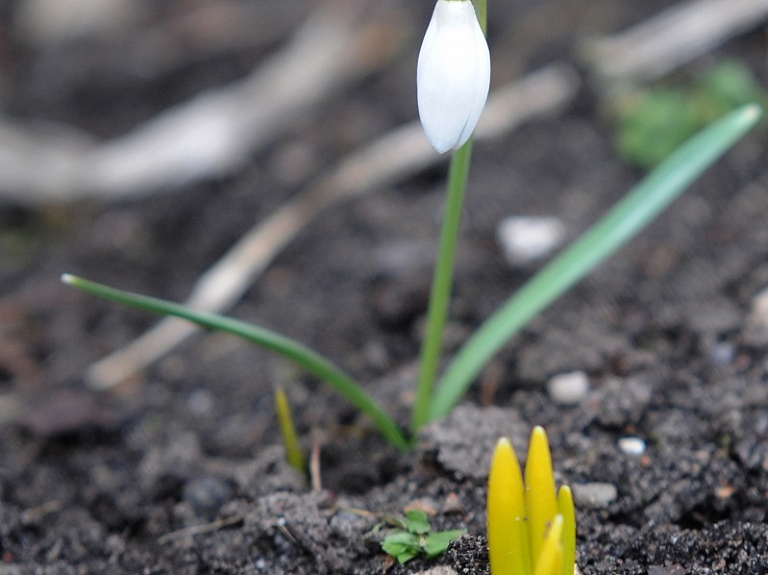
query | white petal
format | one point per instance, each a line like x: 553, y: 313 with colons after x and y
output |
x: 453, y: 75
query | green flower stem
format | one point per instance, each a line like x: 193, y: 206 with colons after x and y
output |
x: 440, y: 295
x: 481, y: 9
x: 294, y: 351
x: 630, y: 215
x: 442, y: 280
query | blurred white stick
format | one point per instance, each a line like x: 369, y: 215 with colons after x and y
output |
x: 673, y: 37
x: 397, y: 155
x: 211, y: 135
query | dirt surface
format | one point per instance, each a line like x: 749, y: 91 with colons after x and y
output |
x: 180, y: 470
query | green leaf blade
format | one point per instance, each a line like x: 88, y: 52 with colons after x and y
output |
x: 292, y: 350
x: 638, y: 208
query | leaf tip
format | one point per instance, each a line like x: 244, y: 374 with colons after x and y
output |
x: 503, y: 444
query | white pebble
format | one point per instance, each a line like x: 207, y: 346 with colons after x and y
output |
x: 525, y: 239
x: 568, y: 388
x: 439, y: 570
x: 758, y: 314
x: 722, y: 353
x: 594, y: 495
x: 632, y: 446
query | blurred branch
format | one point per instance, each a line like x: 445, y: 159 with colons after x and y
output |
x: 672, y: 38
x: 211, y: 135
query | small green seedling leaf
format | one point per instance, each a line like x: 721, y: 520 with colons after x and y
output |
x: 652, y: 122
x: 416, y: 522
x: 411, y: 537
x: 401, y: 545
x: 437, y: 543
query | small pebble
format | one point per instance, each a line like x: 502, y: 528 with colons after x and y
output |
x: 632, y: 446
x: 568, y: 388
x: 439, y: 570
x: 722, y: 353
x: 426, y: 505
x: 206, y: 495
x: 525, y: 239
x: 452, y: 504
x: 594, y: 495
x: 758, y: 314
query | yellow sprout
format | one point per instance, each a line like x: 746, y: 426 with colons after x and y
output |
x: 288, y: 431
x: 531, y: 528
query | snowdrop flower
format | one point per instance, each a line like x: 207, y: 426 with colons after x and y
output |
x: 453, y: 75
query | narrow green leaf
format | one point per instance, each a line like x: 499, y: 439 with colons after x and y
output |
x: 294, y: 351
x: 638, y: 208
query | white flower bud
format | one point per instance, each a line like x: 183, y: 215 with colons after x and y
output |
x: 453, y: 75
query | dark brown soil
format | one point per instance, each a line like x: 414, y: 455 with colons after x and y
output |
x: 181, y: 471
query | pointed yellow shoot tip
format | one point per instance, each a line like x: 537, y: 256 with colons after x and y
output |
x: 507, y: 529
x: 503, y: 444
x: 539, y: 490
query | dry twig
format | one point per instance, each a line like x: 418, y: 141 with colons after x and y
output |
x: 209, y: 136
x: 672, y: 38
x: 187, y: 532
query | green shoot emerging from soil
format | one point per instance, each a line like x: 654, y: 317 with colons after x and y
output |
x: 412, y: 536
x: 436, y: 397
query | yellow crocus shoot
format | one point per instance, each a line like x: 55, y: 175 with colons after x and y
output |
x: 531, y: 528
x: 566, y: 510
x: 540, y: 502
x: 288, y: 431
x: 507, y: 527
x: 550, y: 560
